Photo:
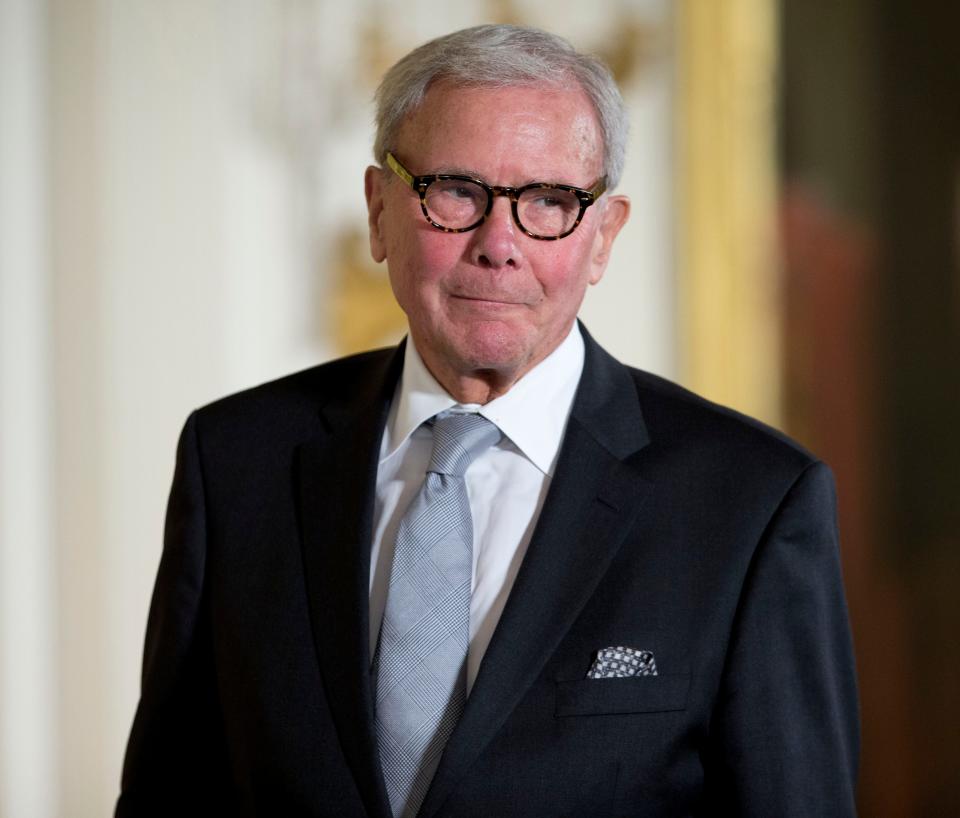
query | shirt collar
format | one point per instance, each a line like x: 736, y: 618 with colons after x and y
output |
x: 532, y: 414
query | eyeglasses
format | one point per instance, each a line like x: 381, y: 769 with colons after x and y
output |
x: 456, y: 204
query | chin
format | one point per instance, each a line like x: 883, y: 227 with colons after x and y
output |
x: 493, y: 348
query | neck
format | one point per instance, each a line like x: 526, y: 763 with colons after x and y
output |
x: 479, y: 386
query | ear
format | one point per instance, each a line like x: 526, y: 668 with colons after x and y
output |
x: 373, y: 183
x: 614, y: 214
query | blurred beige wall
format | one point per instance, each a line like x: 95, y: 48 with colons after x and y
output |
x: 28, y: 632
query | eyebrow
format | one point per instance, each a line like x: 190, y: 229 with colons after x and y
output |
x: 457, y: 171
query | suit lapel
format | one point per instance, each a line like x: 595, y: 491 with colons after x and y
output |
x: 591, y: 504
x: 337, y: 482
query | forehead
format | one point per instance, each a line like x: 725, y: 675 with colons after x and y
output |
x: 508, y: 135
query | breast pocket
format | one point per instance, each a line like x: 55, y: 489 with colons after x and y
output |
x: 638, y: 694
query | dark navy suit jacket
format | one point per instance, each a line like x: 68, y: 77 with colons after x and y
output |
x: 671, y: 525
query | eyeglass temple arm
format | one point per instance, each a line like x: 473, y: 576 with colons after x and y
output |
x: 399, y: 169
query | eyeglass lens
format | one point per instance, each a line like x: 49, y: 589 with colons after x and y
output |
x: 458, y: 203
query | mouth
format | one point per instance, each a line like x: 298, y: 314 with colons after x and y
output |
x: 482, y: 300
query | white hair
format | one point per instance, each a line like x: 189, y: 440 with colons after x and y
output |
x: 502, y: 56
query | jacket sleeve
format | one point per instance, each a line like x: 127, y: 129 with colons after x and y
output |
x: 785, y: 732
x: 176, y: 758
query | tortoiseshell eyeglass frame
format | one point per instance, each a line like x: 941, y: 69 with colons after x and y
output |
x: 421, y: 183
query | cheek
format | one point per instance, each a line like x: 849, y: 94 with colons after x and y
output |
x: 562, y: 275
x: 439, y: 253
x: 419, y: 262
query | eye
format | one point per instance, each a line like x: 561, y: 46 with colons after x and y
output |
x: 456, y: 190
x: 547, y: 200
x: 462, y: 192
x: 455, y: 202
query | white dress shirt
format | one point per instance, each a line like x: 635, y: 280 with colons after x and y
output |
x: 506, y: 484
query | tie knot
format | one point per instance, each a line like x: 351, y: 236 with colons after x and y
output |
x: 458, y: 438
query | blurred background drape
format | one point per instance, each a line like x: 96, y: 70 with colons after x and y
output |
x: 181, y: 215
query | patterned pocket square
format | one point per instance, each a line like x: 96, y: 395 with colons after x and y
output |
x: 612, y: 663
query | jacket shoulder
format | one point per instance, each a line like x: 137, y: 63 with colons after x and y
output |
x: 294, y: 401
x: 711, y: 431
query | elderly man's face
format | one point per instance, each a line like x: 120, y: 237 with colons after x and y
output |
x: 492, y: 300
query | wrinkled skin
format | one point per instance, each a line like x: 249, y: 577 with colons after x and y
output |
x: 486, y: 306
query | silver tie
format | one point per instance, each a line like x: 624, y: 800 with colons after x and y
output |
x: 420, y: 666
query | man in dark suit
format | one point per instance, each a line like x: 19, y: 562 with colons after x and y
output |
x: 654, y: 621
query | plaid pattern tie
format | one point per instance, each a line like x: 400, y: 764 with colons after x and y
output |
x: 420, y: 666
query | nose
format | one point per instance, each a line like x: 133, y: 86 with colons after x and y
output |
x: 495, y: 242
